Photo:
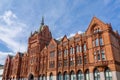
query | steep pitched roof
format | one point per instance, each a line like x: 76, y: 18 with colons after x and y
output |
x: 95, y: 21
x: 64, y: 38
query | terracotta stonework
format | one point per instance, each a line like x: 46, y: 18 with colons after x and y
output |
x: 81, y: 57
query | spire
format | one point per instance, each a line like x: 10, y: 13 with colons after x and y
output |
x: 31, y: 33
x: 42, y: 22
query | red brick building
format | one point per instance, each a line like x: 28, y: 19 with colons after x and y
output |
x: 92, y: 55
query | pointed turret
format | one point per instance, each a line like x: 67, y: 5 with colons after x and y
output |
x: 42, y: 24
x: 31, y: 33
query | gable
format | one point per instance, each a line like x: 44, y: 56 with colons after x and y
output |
x: 52, y: 43
x: 77, y: 35
x: 95, y: 24
x: 64, y: 39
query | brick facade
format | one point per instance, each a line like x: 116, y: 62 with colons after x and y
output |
x: 81, y: 57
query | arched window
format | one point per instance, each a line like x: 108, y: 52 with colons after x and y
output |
x: 101, y: 41
x: 87, y: 76
x: 98, y: 55
x: 77, y: 48
x: 103, y: 54
x: 97, y: 42
x: 59, y: 52
x: 79, y: 75
x: 43, y: 78
x: 96, y: 29
x: 95, y: 56
x: 85, y: 48
x: 71, y: 50
x: 96, y: 75
x: 72, y: 75
x: 80, y: 47
x: 71, y: 61
x: 51, y: 76
x: 40, y: 78
x: 65, y: 52
x: 108, y: 74
x: 65, y: 76
x: 59, y: 76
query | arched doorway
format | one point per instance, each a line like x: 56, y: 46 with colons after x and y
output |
x: 72, y: 76
x: 79, y: 75
x: 108, y: 74
x: 31, y: 77
x: 87, y: 76
x: 65, y: 76
x: 59, y: 76
x: 96, y: 74
x: 51, y: 76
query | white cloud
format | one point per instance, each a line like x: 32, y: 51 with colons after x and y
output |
x: 80, y: 32
x: 7, y: 17
x: 3, y: 56
x: 11, y: 31
x: 59, y: 37
x: 6, y: 53
x: 71, y: 35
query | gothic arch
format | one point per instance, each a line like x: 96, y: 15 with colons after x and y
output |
x: 30, y: 77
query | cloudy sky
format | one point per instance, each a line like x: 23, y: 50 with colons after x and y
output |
x: 19, y: 17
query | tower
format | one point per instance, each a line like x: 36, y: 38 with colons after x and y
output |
x: 37, y: 41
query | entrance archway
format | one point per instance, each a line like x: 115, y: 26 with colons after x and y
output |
x: 31, y: 77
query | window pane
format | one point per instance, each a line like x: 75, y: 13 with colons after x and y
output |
x: 96, y: 75
x: 87, y: 75
x: 84, y: 47
x: 77, y: 48
x: 101, y: 41
x: 80, y: 75
x: 65, y: 52
x: 71, y: 50
x: 59, y: 76
x: 80, y: 49
x: 108, y: 74
x: 52, y: 54
x: 97, y: 42
x: 98, y: 56
x: 66, y: 77
x: 59, y: 53
x: 103, y: 55
x: 93, y: 43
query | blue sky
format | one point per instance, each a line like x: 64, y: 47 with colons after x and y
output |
x: 19, y: 17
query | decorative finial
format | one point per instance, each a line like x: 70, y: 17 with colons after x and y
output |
x: 42, y: 22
